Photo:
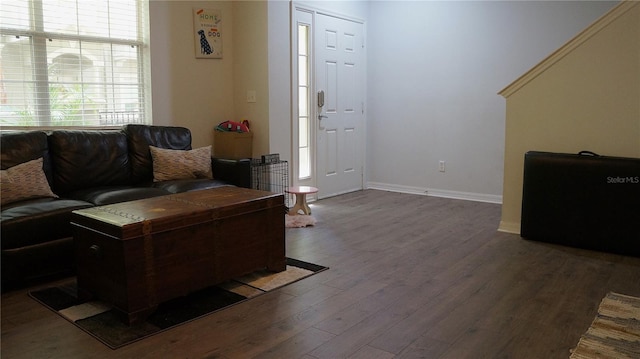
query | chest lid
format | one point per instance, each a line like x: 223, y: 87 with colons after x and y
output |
x: 158, y: 214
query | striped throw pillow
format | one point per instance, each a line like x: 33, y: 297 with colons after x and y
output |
x: 24, y: 181
x: 179, y: 164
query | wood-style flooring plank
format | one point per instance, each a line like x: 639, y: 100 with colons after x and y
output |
x: 410, y: 276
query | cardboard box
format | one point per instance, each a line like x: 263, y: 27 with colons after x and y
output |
x: 232, y: 145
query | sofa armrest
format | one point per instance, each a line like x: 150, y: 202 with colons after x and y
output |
x: 235, y: 172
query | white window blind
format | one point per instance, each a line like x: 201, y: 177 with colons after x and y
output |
x: 72, y: 62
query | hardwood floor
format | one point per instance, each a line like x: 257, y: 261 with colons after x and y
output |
x: 411, y: 277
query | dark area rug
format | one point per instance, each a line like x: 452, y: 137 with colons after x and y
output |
x: 97, y: 318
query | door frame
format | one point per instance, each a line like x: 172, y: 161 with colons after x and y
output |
x: 310, y: 16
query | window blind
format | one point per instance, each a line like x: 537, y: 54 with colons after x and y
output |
x: 73, y: 63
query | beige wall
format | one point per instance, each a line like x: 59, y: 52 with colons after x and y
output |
x: 189, y: 92
x: 588, y: 100
x: 201, y: 93
x: 250, y: 69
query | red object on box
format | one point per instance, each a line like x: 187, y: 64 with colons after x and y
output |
x: 232, y: 126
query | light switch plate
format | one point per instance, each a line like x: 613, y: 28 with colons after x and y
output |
x: 251, y: 96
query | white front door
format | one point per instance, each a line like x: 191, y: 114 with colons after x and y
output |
x: 339, y: 48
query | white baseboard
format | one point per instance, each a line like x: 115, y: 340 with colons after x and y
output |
x: 396, y: 188
x: 509, y: 227
x: 468, y: 196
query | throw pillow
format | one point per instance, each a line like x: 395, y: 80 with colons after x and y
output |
x: 24, y: 181
x: 180, y: 164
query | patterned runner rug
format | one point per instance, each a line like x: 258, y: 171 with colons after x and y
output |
x: 97, y: 318
x: 615, y: 332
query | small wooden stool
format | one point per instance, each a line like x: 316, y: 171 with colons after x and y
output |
x: 301, y: 193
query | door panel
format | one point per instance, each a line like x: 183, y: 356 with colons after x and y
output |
x: 332, y: 154
x: 331, y: 102
x: 340, y: 155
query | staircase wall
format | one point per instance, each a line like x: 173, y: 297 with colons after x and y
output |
x: 584, y: 96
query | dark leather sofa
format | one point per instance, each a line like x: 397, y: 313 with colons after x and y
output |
x: 87, y: 168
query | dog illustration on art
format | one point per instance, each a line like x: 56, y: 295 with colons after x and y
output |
x: 205, y: 48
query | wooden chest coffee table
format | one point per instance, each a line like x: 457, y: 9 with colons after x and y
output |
x: 136, y: 255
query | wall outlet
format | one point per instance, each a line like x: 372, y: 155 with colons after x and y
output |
x: 441, y: 166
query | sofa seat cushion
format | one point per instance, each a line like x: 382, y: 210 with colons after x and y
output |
x: 36, y: 221
x: 101, y: 196
x: 177, y: 186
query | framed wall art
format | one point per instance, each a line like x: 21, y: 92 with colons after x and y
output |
x: 207, y: 28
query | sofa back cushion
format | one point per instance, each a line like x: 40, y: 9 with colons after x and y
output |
x: 140, y: 137
x: 85, y: 159
x: 24, y: 146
